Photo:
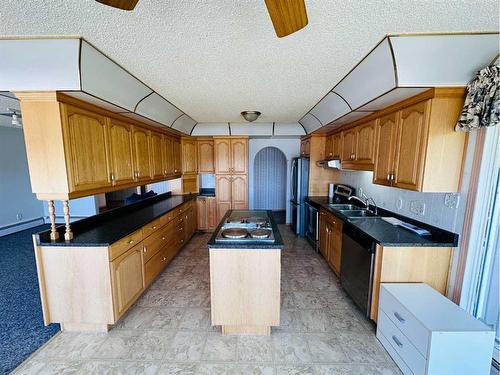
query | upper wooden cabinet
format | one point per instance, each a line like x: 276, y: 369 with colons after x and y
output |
x: 176, y: 147
x: 333, y: 146
x: 358, y: 147
x: 231, y: 155
x: 86, y: 139
x: 189, y: 156
x: 205, y: 155
x: 121, y: 152
x: 142, y: 148
x: 385, y: 141
x: 157, y: 163
x: 305, y: 147
x: 348, y: 146
x: 168, y: 155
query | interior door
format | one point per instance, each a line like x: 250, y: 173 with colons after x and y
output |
x: 158, y: 168
x: 141, y: 154
x: 86, y: 136
x: 222, y: 155
x: 386, y: 148
x: 121, y: 152
x: 411, y: 140
x: 239, y: 192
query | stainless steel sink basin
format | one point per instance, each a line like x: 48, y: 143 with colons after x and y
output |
x: 361, y: 213
x: 344, y: 207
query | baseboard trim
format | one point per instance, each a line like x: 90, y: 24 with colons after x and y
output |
x: 22, y: 225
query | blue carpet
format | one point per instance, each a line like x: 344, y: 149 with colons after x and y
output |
x: 21, y: 322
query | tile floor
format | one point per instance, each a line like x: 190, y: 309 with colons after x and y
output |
x: 168, y: 331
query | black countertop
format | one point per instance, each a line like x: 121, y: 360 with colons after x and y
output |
x: 110, y: 226
x: 278, y: 241
x: 387, y: 234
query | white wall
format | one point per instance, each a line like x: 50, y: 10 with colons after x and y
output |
x: 18, y: 204
x: 289, y: 146
x: 78, y: 209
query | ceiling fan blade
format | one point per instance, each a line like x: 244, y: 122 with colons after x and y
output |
x: 120, y: 4
x: 288, y: 16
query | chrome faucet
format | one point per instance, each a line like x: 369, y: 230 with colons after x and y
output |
x: 365, y: 203
x: 358, y: 199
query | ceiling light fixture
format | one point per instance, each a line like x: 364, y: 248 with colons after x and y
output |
x: 250, y: 116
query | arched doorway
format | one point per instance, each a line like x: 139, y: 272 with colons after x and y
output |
x: 270, y: 182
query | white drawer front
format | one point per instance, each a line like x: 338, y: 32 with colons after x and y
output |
x: 401, y: 345
x: 394, y: 355
x: 417, y: 334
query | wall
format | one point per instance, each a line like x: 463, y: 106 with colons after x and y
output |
x: 78, y: 209
x: 16, y: 197
x: 289, y: 146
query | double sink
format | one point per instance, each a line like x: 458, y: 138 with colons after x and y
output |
x: 351, y: 211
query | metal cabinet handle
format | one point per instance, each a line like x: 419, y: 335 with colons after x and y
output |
x: 130, y: 242
x: 163, y: 238
x: 112, y: 176
x: 154, y: 226
x: 388, y: 177
x: 399, y: 317
x: 144, y: 249
x: 396, y: 340
x: 164, y: 259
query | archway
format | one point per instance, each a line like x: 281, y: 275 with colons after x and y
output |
x: 270, y: 182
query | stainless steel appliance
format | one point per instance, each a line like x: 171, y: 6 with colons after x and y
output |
x: 299, y: 190
x: 246, y: 226
x: 312, y: 225
x: 358, y: 254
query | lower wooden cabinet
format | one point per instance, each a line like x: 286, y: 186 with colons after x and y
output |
x: 330, y: 239
x: 231, y: 192
x: 127, y: 279
x: 207, y: 213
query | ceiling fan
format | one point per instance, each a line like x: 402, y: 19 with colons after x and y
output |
x: 288, y: 16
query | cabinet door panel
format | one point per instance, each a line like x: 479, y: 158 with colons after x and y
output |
x: 223, y: 191
x: 86, y: 136
x: 176, y: 148
x: 141, y: 154
x: 239, y: 192
x: 212, y: 213
x: 222, y: 155
x: 189, y: 159
x: 329, y: 147
x: 335, y: 244
x: 121, y: 152
x: 202, y: 213
x: 239, y: 156
x: 323, y: 235
x: 336, y: 146
x: 168, y: 155
x: 157, y: 156
x: 365, y: 145
x: 127, y: 279
x: 386, y: 147
x: 348, y: 139
x: 410, y: 151
x: 206, y: 156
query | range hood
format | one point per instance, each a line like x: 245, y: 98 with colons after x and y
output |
x: 399, y: 67
x: 335, y: 164
x: 75, y: 67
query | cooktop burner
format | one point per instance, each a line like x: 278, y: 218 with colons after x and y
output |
x: 260, y: 233
x: 234, y: 233
x: 246, y: 226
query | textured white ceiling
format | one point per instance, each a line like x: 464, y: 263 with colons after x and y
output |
x: 215, y: 58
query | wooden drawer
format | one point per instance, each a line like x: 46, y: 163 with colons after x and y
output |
x: 121, y: 246
x: 154, y: 243
x: 167, y: 218
x: 401, y: 345
x: 154, y: 266
x: 416, y: 333
x: 151, y: 227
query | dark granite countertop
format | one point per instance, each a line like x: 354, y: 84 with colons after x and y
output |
x: 110, y: 226
x: 278, y: 241
x: 387, y: 234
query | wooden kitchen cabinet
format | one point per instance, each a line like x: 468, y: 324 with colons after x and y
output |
x: 348, y: 147
x: 329, y: 147
x: 168, y: 155
x: 142, y: 147
x: 358, y: 147
x: 223, y: 192
x: 205, y: 151
x: 231, y: 155
x: 121, y: 152
x: 336, y: 143
x: 330, y: 239
x: 207, y: 213
x: 323, y: 234
x: 157, y: 163
x: 239, y: 192
x: 239, y: 156
x: 126, y: 279
x: 189, y: 156
x: 86, y: 139
x: 176, y: 147
x: 212, y: 213
x: 385, y: 141
x: 222, y: 147
x: 305, y: 146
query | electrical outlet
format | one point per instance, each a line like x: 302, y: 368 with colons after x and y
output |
x: 19, y: 216
x: 417, y: 207
x: 451, y: 200
x: 360, y: 191
x: 399, y: 204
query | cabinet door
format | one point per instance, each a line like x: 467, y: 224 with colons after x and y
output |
x: 329, y: 147
x: 365, y: 144
x: 168, y: 155
x: 239, y: 192
x: 87, y: 149
x: 141, y: 154
x: 189, y: 159
x: 329, y: 227
x: 127, y: 279
x: 335, y: 244
x: 348, y: 143
x: 121, y: 152
x: 158, y: 167
x: 385, y: 141
x: 212, y: 213
x: 201, y: 202
x: 176, y: 150
x: 222, y: 155
x: 305, y: 147
x: 410, y: 149
x: 223, y: 190
x: 239, y: 156
x: 323, y: 234
x: 206, y: 156
x: 336, y: 145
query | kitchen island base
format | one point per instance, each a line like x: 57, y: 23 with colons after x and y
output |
x: 245, y: 290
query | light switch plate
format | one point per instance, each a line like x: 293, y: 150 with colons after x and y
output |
x: 417, y: 207
x: 451, y: 200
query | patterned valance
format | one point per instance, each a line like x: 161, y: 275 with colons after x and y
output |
x: 482, y: 104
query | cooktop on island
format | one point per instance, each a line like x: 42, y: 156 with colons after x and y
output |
x: 243, y: 226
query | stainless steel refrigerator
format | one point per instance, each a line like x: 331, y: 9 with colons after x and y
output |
x: 299, y: 186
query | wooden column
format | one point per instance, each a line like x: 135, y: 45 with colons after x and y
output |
x: 68, y: 235
x: 54, y: 235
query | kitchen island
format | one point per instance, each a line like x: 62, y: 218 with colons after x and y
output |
x: 245, y: 272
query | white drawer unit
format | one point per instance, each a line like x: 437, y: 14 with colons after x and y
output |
x: 426, y: 333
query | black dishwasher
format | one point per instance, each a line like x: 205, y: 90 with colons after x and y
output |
x: 356, y: 276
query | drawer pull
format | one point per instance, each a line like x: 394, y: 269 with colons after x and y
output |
x: 396, y: 340
x: 154, y: 227
x: 399, y: 317
x: 130, y: 242
x: 164, y: 259
x: 163, y: 238
x: 144, y: 249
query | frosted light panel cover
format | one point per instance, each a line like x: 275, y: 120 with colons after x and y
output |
x: 395, y: 96
x: 106, y: 80
x: 372, y: 77
x: 158, y: 109
x: 284, y: 129
x: 184, y: 124
x: 310, y: 123
x: 331, y: 107
x: 39, y: 65
x: 211, y: 128
x: 257, y: 129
